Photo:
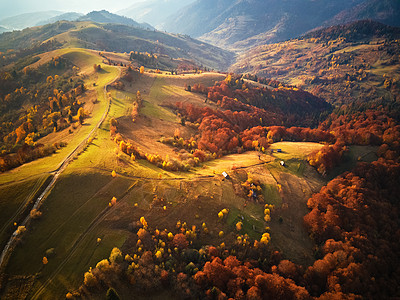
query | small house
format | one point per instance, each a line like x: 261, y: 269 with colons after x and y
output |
x: 225, y: 175
x: 282, y: 163
x: 279, y: 150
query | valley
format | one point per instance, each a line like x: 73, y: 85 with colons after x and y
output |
x: 259, y: 161
x: 84, y: 213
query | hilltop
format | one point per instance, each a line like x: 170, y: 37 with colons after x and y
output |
x: 109, y: 18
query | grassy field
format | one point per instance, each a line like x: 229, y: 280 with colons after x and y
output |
x: 83, y: 59
x: 68, y: 225
x: 76, y: 213
x: 15, y: 199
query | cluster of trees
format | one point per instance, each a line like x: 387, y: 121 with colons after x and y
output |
x: 146, y: 59
x: 52, y: 105
x: 354, y: 220
x: 134, y: 153
x: 294, y: 106
x: 390, y: 151
x: 21, y: 56
x: 357, y: 128
x: 246, y: 116
x: 243, y: 125
x: 136, y: 105
x: 325, y: 159
x: 26, y: 154
x: 230, y: 131
x: 163, y: 259
x: 366, y: 128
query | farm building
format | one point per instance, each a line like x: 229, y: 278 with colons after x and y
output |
x: 225, y: 175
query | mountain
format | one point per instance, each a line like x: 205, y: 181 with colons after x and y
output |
x: 360, y: 32
x: 242, y: 24
x: 154, y: 12
x: 28, y: 20
x: 354, y: 64
x: 104, y: 16
x: 384, y: 11
x: 69, y: 16
x: 121, y: 38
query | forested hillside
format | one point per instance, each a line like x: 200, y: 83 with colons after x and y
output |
x: 355, y: 64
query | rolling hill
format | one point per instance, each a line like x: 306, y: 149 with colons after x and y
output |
x: 241, y: 24
x: 121, y: 38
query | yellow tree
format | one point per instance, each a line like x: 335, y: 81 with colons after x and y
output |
x: 81, y: 115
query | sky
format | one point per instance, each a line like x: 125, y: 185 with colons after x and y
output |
x: 9, y: 8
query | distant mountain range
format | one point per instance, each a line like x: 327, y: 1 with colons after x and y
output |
x: 69, y: 16
x: 155, y: 12
x: 47, y: 17
x: 106, y: 17
x: 235, y: 25
x: 384, y: 11
x: 242, y: 24
x: 28, y: 20
x: 120, y: 38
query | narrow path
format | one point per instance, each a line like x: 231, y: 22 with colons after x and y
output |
x: 5, y: 254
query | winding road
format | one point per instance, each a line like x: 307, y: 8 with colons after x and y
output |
x: 5, y: 254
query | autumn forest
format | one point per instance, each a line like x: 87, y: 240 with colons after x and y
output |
x: 137, y: 163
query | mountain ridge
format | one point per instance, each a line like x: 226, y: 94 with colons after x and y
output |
x: 242, y: 24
